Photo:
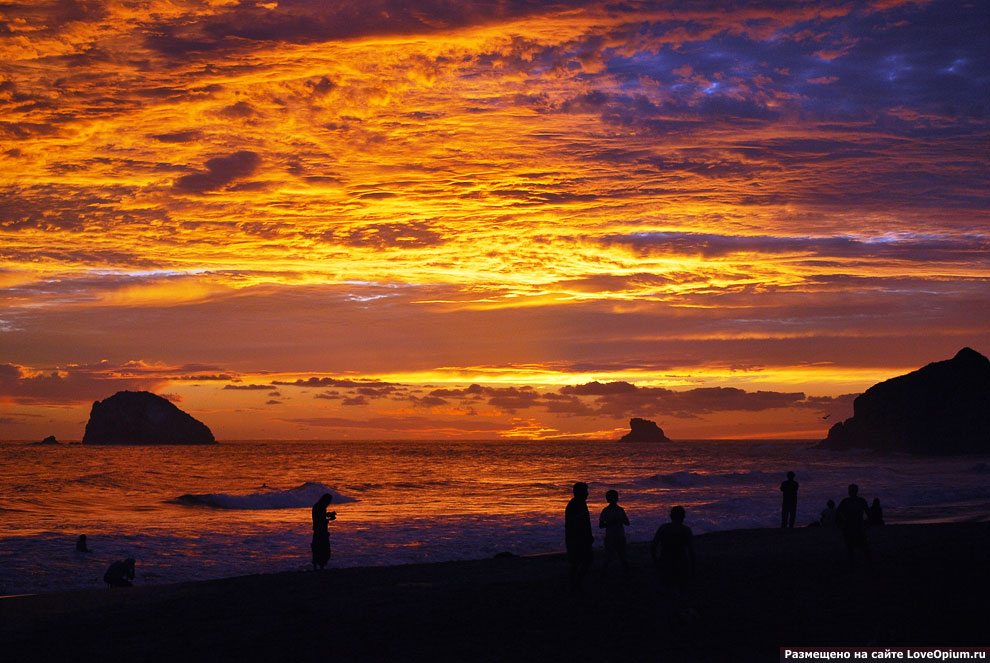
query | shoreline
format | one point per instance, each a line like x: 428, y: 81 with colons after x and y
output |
x: 756, y: 590
x: 599, y: 551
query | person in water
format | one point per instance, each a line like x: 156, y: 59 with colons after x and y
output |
x: 81, y: 544
x: 321, y: 533
x: 850, y: 517
x: 577, y: 534
x: 789, y: 507
x: 613, y: 520
x: 120, y: 574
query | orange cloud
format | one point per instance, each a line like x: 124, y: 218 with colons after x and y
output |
x: 754, y: 197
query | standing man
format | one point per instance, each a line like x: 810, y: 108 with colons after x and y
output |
x: 672, y: 551
x: 577, y: 535
x: 789, y: 508
x: 851, y: 519
x: 614, y: 521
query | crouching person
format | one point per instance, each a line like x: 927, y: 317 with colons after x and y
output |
x: 120, y: 574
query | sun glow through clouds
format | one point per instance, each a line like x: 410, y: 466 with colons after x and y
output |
x: 514, y: 195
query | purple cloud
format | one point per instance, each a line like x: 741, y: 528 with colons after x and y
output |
x: 220, y: 171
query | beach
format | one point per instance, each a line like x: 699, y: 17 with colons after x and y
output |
x: 756, y: 590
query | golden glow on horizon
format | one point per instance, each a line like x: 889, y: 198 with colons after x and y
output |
x: 828, y: 380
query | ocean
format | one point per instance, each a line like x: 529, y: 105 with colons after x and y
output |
x: 237, y: 508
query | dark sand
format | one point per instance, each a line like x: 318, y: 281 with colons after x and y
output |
x: 756, y: 590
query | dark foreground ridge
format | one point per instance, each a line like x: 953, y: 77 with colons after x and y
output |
x: 140, y: 417
x: 644, y: 430
x: 756, y: 590
x: 942, y: 409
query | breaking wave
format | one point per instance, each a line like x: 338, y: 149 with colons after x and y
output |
x: 685, y: 479
x: 304, y: 495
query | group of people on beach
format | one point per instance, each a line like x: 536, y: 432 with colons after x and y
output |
x: 851, y: 517
x: 829, y: 516
x: 671, y: 549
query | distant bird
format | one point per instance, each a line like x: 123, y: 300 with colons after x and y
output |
x: 827, y: 415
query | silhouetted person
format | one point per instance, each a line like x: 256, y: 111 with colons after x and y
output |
x: 613, y: 520
x: 789, y: 507
x: 828, y: 515
x: 875, y: 514
x: 120, y: 574
x: 577, y: 534
x: 850, y: 518
x: 321, y: 534
x: 81, y: 544
x: 672, y: 550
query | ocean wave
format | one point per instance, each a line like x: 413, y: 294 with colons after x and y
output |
x: 361, y: 487
x: 304, y: 495
x: 926, y: 496
x: 102, y: 479
x: 686, y: 479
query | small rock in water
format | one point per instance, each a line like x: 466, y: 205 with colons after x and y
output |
x: 644, y: 430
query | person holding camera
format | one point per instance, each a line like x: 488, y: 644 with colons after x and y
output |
x: 321, y: 534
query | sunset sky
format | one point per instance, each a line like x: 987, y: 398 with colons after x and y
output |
x: 509, y: 218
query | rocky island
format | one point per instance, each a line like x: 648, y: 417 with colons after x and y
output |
x: 140, y: 417
x: 942, y: 409
x: 644, y: 430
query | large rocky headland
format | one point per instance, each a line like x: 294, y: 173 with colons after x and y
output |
x: 140, y: 417
x: 942, y: 409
